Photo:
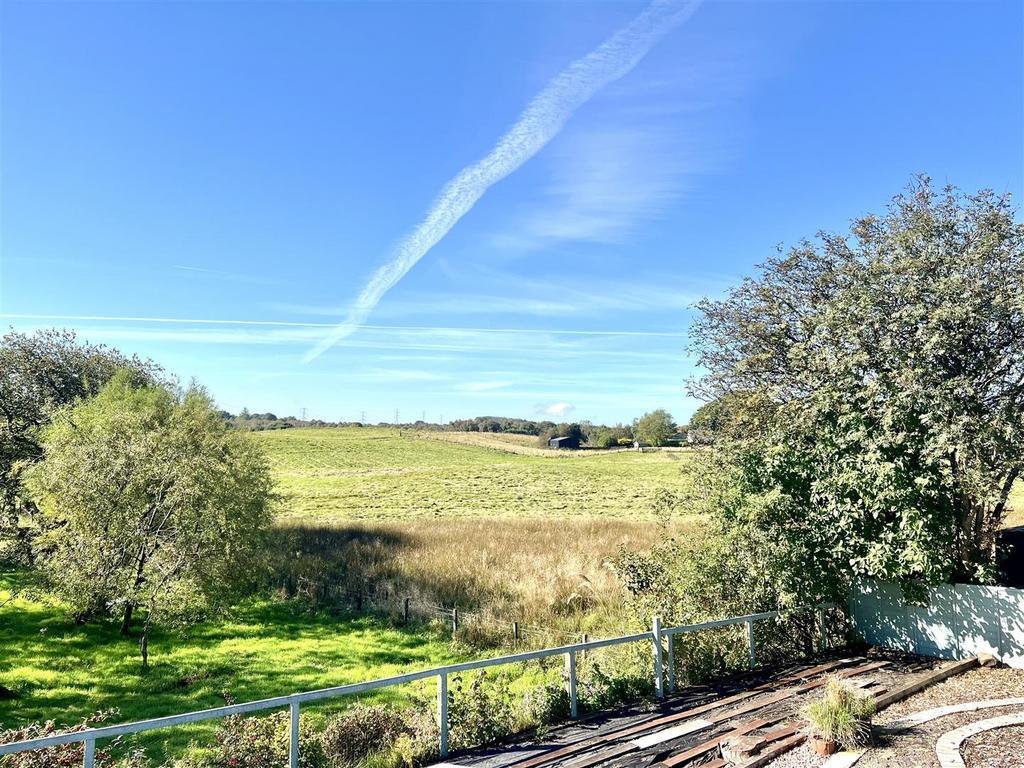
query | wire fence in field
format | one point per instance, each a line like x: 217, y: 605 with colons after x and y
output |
x: 461, y: 623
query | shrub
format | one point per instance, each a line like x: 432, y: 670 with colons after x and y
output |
x: 478, y: 714
x: 362, y: 731
x: 67, y: 755
x: 546, y: 704
x: 600, y: 690
x: 842, y: 715
x: 256, y: 742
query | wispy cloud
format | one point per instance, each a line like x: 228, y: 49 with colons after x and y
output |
x: 520, y: 343
x: 455, y: 330
x: 542, y: 120
x: 605, y: 183
x: 478, y: 291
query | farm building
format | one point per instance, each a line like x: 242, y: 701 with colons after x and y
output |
x: 564, y: 442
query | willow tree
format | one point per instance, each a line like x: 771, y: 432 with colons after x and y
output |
x: 152, y: 502
x: 876, y: 389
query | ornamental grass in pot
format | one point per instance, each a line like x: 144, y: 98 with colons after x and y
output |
x: 841, y: 718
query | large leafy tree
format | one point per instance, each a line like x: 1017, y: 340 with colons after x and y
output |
x: 38, y: 373
x: 655, y: 427
x: 876, y: 383
x: 152, y: 503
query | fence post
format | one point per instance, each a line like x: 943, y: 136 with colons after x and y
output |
x: 671, y: 663
x: 90, y: 753
x: 570, y: 670
x: 442, y: 711
x: 822, y: 630
x: 515, y: 633
x: 583, y: 639
x: 750, y: 642
x: 455, y: 620
x: 659, y: 683
x: 293, y: 743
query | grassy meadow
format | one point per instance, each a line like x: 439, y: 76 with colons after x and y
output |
x: 502, y: 529
x: 384, y: 474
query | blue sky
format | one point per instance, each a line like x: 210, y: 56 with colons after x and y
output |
x: 217, y: 185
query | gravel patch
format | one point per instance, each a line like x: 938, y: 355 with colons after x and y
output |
x: 976, y: 685
x: 999, y: 748
x: 915, y: 748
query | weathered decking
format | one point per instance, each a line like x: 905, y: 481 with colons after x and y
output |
x: 686, y: 729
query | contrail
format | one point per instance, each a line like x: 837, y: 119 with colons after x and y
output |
x: 542, y: 120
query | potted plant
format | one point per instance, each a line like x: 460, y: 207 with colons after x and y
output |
x: 841, y: 718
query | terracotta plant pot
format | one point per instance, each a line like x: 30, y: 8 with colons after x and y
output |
x: 823, y: 747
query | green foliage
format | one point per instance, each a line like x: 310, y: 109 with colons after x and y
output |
x: 601, y: 690
x: 843, y: 714
x: 257, y: 742
x: 546, y: 704
x: 609, y: 437
x: 364, y: 729
x: 478, y: 712
x: 43, y: 371
x: 654, y: 428
x: 151, y: 502
x: 878, y: 385
x: 68, y: 755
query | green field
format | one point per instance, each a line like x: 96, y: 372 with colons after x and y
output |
x: 382, y: 474
x: 394, y: 485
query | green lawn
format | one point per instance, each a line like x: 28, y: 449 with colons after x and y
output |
x: 359, y: 474
x: 63, y: 672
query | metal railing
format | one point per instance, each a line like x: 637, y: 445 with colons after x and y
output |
x: 656, y: 636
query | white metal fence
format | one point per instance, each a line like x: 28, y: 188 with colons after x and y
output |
x: 658, y: 637
x: 957, y: 622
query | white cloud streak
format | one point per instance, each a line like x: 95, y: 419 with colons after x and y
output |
x: 451, y: 330
x: 542, y: 120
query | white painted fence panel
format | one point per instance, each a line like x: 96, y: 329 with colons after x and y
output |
x: 958, y: 621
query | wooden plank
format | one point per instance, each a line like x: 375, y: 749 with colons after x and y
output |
x: 675, y: 732
x: 753, y: 706
x: 772, y: 752
x: 593, y: 741
x: 844, y: 674
x: 883, y: 701
x: 604, y: 738
x: 710, y: 744
x: 596, y: 758
x: 751, y: 745
x: 780, y: 733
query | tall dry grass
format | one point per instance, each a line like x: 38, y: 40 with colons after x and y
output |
x: 554, y: 578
